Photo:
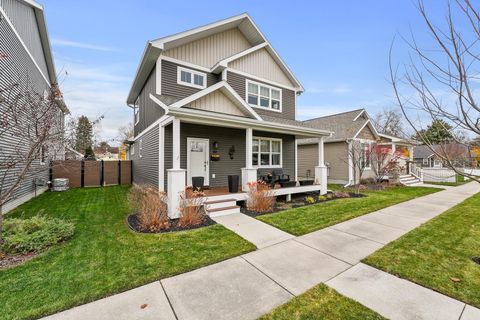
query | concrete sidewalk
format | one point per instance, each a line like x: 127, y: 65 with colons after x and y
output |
x: 248, y: 286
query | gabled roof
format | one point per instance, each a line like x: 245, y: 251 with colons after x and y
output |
x: 345, y: 125
x: 226, y: 89
x: 243, y: 22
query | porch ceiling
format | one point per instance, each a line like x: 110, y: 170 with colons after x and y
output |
x: 224, y: 120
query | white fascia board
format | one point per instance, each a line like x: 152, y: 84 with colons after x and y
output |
x: 224, y: 120
x: 5, y: 17
x: 358, y: 115
x: 160, y: 43
x: 159, y: 102
x: 222, y: 64
x: 218, y: 86
x: 364, y: 125
x: 150, y: 127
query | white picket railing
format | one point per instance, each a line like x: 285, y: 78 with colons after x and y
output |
x: 416, y: 171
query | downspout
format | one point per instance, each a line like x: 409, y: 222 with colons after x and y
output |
x: 350, y: 164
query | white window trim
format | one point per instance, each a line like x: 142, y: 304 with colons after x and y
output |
x: 42, y: 155
x: 247, y: 81
x: 369, y: 144
x: 270, y: 153
x: 136, y: 112
x: 140, y: 143
x: 193, y: 72
x: 425, y: 161
x: 132, y: 150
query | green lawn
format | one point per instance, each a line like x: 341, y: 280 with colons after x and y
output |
x: 103, y: 257
x: 303, y: 220
x: 321, y: 302
x: 438, y: 251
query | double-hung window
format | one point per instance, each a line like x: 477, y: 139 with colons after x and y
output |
x: 263, y: 96
x: 266, y: 152
x: 365, y: 154
x: 191, y: 78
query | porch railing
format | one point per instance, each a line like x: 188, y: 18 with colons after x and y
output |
x: 415, y: 171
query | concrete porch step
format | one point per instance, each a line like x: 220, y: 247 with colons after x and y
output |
x: 216, y: 204
x: 223, y: 211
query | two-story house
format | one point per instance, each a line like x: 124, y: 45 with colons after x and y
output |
x: 215, y: 101
x: 25, y: 62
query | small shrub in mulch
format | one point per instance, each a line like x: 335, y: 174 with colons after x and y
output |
x: 8, y: 261
x: 302, y: 201
x: 174, y: 225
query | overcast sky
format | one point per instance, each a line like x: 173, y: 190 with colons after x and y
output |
x: 337, y: 49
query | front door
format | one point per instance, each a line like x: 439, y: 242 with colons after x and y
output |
x: 198, y: 159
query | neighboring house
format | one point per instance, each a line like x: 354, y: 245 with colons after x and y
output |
x: 459, y: 154
x: 349, y: 128
x: 106, y: 152
x: 217, y: 92
x: 72, y: 154
x: 25, y: 54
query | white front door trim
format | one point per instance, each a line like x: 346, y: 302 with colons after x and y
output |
x: 206, y: 163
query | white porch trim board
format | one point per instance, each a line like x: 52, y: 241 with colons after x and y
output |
x: 321, y: 170
x: 249, y: 173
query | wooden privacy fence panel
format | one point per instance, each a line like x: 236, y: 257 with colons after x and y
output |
x: 110, y: 172
x: 92, y: 173
x: 71, y: 169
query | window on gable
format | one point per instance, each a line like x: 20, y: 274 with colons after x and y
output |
x: 266, y: 152
x: 263, y: 96
x: 191, y: 78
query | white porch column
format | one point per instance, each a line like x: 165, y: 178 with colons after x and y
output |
x: 321, y: 169
x: 249, y: 174
x: 176, y: 175
x: 394, y: 148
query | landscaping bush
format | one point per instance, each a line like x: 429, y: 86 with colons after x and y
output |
x: 260, y: 197
x: 191, y: 207
x: 309, y: 199
x: 34, y: 234
x: 341, y: 194
x: 151, y: 208
x: 322, y: 198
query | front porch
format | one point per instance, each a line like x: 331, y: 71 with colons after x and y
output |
x: 249, y: 150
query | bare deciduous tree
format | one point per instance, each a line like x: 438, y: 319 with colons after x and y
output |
x: 440, y: 82
x: 389, y: 121
x: 32, y: 123
x: 358, y: 160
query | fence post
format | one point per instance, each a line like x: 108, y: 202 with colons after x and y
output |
x: 102, y: 176
x: 131, y: 171
x: 119, y: 172
x: 82, y: 173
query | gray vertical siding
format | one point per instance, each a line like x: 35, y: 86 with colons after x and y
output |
x: 145, y: 168
x: 238, y: 83
x: 19, y: 68
x: 149, y: 111
x: 23, y: 19
x: 226, y: 137
x: 172, y: 88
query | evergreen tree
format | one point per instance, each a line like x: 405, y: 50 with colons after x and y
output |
x: 437, y: 132
x: 83, y: 134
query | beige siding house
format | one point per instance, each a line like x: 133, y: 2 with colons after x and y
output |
x: 348, y: 128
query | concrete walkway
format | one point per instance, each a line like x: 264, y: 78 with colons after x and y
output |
x: 248, y: 286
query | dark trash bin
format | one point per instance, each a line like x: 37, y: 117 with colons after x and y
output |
x: 197, y: 183
x: 233, y: 183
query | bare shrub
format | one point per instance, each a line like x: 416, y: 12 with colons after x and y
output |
x: 151, y: 208
x: 341, y: 194
x: 191, y: 207
x: 260, y: 197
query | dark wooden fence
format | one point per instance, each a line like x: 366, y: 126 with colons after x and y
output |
x: 92, y: 173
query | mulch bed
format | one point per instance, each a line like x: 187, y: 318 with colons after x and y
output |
x: 8, y: 261
x: 476, y: 260
x: 297, y: 202
x: 132, y: 223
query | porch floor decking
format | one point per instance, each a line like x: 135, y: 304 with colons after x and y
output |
x: 221, y: 193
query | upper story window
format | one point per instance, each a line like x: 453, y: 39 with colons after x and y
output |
x: 191, y: 78
x: 266, y: 152
x: 263, y: 96
x: 136, y: 109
